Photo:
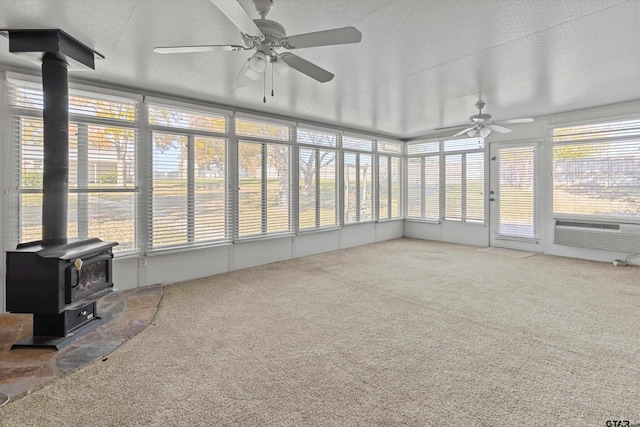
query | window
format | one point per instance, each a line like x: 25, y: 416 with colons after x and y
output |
x: 358, y: 179
x: 390, y: 147
x: 102, y: 165
x: 263, y: 130
x: 595, y: 170
x: 423, y: 188
x: 461, y: 165
x: 189, y: 187
x: 317, y: 202
x: 353, y: 143
x: 464, y: 179
x: 358, y: 187
x: 264, y: 195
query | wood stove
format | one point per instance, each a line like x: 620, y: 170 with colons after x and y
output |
x: 59, y: 284
x: 56, y: 280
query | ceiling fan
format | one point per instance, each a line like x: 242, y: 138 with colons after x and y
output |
x: 265, y: 36
x: 482, y: 125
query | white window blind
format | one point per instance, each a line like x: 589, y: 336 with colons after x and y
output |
x: 316, y: 138
x: 431, y: 188
x: 318, y: 175
x: 264, y: 205
x: 183, y: 118
x: 262, y: 130
x: 414, y: 188
x: 169, y: 201
x: 188, y: 203
x: 453, y: 187
x: 423, y: 188
x: 474, y: 187
x: 353, y: 143
x: 389, y: 147
x: 102, y: 165
x: 264, y: 178
x: 464, y: 179
x: 358, y: 187
x: 595, y: 170
x: 423, y: 148
x: 389, y: 187
x: 517, y: 192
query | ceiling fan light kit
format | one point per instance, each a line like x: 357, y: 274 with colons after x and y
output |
x: 482, y: 125
x: 258, y: 62
x: 265, y: 36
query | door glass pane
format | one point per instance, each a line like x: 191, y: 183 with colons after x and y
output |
x: 516, y: 211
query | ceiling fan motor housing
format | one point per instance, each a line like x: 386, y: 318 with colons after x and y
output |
x: 480, y: 118
x: 273, y: 33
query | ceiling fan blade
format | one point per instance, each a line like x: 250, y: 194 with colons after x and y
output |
x: 323, y: 38
x: 236, y: 14
x: 306, y: 67
x: 499, y: 128
x: 463, y: 131
x: 451, y: 127
x: 522, y: 120
x: 196, y: 49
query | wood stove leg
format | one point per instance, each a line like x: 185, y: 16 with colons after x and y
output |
x: 59, y: 330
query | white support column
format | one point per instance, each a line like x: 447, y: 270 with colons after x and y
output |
x: 6, y: 168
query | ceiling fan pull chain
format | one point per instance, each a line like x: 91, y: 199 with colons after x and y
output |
x: 272, y: 72
x: 264, y: 87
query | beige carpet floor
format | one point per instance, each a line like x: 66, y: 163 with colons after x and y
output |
x: 404, y: 332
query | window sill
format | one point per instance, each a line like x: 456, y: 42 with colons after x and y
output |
x: 423, y: 221
x: 307, y: 231
x: 184, y: 248
x: 263, y: 237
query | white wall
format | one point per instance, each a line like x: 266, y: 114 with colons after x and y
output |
x: 132, y: 272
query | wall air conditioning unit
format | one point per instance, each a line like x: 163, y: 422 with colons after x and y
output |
x: 598, y: 235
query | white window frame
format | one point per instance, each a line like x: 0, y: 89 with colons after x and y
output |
x: 81, y: 121
x: 265, y: 142
x: 318, y: 169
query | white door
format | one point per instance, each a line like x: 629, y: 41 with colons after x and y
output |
x: 513, y: 212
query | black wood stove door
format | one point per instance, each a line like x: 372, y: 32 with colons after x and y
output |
x: 88, y: 276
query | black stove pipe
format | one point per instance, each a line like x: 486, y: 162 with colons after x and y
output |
x: 55, y: 118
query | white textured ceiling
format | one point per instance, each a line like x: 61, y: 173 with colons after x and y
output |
x: 421, y: 64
